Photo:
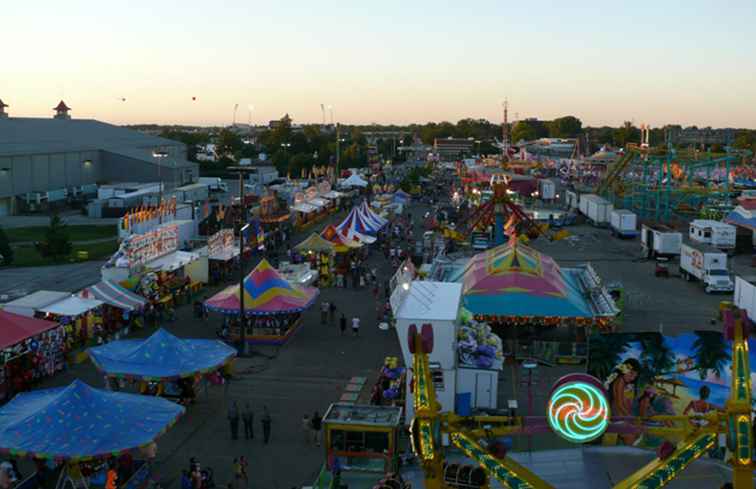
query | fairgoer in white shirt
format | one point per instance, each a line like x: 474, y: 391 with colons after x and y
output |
x: 356, y: 326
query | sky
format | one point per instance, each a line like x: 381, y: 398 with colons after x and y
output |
x: 656, y: 62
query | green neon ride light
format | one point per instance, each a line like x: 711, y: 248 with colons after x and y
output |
x: 578, y: 412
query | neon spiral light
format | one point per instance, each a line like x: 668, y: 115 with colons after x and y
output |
x: 578, y: 412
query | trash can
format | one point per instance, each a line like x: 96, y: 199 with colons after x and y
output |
x: 462, y: 403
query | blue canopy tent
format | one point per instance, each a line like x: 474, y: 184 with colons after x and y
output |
x: 162, y: 356
x: 80, y: 422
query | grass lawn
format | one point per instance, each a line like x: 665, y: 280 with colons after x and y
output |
x: 27, y: 256
x: 75, y: 233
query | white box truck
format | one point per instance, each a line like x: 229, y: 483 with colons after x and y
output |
x: 707, y: 264
x: 624, y: 223
x: 572, y: 200
x: 745, y: 295
x: 596, y: 209
x: 660, y: 240
x: 715, y: 233
x: 215, y: 184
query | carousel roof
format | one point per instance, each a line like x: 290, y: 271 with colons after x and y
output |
x: 265, y: 292
x: 161, y: 356
x: 316, y: 242
x: 79, y: 421
x: 516, y: 280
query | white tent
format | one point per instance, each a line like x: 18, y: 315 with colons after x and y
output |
x: 354, y: 180
x: 72, y: 306
x: 172, y: 261
x: 29, y: 304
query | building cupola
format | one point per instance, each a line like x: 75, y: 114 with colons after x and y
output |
x: 3, y: 113
x: 61, y: 111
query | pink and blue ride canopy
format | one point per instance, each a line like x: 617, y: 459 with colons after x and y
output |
x: 162, y: 356
x: 265, y: 293
x: 78, y: 421
x: 516, y: 280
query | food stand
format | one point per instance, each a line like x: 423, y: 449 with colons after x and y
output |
x: 362, y: 438
x: 82, y: 320
x: 343, y: 252
x: 28, y: 305
x: 219, y: 257
x: 319, y: 253
x: 272, y: 306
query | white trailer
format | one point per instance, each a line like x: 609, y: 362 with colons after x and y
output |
x: 707, y: 264
x: 596, y: 209
x: 745, y: 295
x: 715, y: 233
x: 572, y: 200
x: 624, y: 223
x: 660, y: 240
x: 215, y: 184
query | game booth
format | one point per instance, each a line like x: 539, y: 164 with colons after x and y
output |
x: 82, y: 319
x: 85, y: 437
x: 163, y: 364
x: 272, y: 306
x: 319, y: 254
x: 539, y: 309
x: 344, y: 252
x: 122, y: 308
x: 220, y: 257
x: 31, y: 349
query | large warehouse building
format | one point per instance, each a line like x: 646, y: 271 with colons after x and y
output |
x: 43, y: 161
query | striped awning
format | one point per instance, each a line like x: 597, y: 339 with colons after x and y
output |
x: 114, y: 295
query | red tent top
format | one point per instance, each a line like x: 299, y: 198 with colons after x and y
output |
x: 15, y: 328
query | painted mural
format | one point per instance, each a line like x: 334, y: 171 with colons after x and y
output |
x: 649, y: 374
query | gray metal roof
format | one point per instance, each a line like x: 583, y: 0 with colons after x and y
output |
x: 22, y: 135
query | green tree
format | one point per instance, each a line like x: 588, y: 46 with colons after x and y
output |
x: 57, y: 243
x: 710, y: 351
x: 524, y: 131
x: 6, y: 252
x: 744, y: 140
x: 565, y: 127
x: 228, y: 144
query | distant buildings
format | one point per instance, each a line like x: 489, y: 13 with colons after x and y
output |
x: 691, y: 136
x: 449, y: 149
x: 550, y: 148
x: 43, y: 161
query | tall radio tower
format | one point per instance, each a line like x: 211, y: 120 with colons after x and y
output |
x: 505, y: 130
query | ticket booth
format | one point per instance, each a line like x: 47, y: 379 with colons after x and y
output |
x: 362, y: 437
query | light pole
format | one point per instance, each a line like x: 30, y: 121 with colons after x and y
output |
x: 286, y: 147
x: 159, y: 154
x: 243, y: 227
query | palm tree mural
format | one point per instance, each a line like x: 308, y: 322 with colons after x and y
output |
x: 656, y: 357
x: 711, y: 352
x: 605, y: 352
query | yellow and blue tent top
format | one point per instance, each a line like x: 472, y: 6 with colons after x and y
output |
x: 266, y: 292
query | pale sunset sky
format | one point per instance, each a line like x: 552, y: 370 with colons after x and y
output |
x: 662, y: 61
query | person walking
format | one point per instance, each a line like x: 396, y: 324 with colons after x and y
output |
x: 316, y: 423
x: 332, y: 314
x: 342, y: 324
x: 266, y: 422
x: 356, y: 326
x: 324, y: 308
x: 306, y: 428
x: 233, y: 418
x: 248, y: 418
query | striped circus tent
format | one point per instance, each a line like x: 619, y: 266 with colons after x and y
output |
x: 265, y: 293
x: 371, y: 217
x: 355, y: 228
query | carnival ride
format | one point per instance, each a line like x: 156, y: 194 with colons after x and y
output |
x: 664, y: 184
x: 578, y: 411
x: 504, y: 214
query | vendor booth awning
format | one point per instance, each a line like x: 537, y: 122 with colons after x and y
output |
x: 72, y: 306
x: 15, y: 328
x: 78, y: 422
x: 316, y: 243
x: 162, y: 356
x: 172, y: 261
x: 304, y: 208
x: 515, y: 280
x: 318, y: 202
x: 331, y: 235
x: 113, y: 294
x: 741, y: 217
x: 332, y: 195
x: 265, y: 292
x: 29, y: 304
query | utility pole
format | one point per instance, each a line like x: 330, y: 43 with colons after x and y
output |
x: 243, y: 227
x: 505, y: 132
x: 338, y: 150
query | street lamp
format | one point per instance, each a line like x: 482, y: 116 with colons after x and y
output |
x: 159, y: 154
x: 243, y: 227
x: 286, y: 147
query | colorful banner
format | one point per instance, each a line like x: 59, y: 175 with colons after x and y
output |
x: 153, y: 244
x: 220, y: 243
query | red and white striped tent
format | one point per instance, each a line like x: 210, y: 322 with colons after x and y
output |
x: 114, y: 295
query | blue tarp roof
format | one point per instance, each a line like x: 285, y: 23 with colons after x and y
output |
x: 161, y: 356
x: 80, y: 421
